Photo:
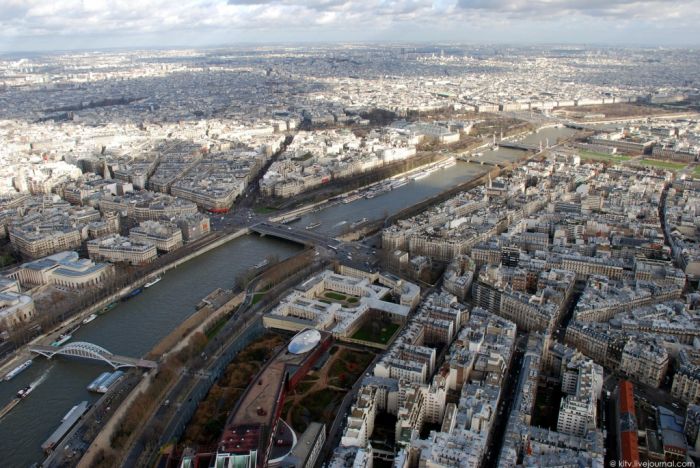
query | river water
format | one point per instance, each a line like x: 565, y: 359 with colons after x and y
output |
x: 135, y: 326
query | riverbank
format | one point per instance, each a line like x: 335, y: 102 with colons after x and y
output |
x: 198, y: 323
x: 323, y: 204
x: 23, y: 354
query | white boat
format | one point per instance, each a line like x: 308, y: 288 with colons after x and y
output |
x: 421, y: 175
x: 357, y: 223
x: 261, y: 264
x: 399, y: 183
x: 312, y: 226
x: 449, y: 163
x: 17, y: 370
x: 351, y: 198
x: 152, y: 282
x: 24, y: 392
x: 90, y: 318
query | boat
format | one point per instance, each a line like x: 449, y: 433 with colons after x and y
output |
x: 291, y: 220
x: 312, y: 226
x: 370, y: 195
x: 70, y: 412
x: 90, y: 318
x: 62, y: 338
x: 17, y: 370
x: 357, y: 223
x: 351, y: 198
x: 95, y: 384
x: 495, y: 148
x: 420, y: 175
x: 478, y: 155
x: 399, y: 183
x: 152, y: 282
x: 109, y: 381
x: 110, y: 306
x: 67, y: 423
x: 24, y: 392
x: 261, y: 264
x: 133, y: 293
x: 448, y: 163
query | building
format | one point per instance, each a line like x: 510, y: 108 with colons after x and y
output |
x: 645, y: 362
x: 165, y: 236
x: 65, y: 269
x: 686, y: 381
x: 118, y: 249
x: 309, y: 305
x: 15, y: 307
x: 36, y: 243
x: 249, y: 430
x: 360, y: 422
x: 193, y: 226
x: 582, y: 382
x: 144, y: 205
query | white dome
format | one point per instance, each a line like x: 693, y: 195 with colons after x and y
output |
x: 304, y: 342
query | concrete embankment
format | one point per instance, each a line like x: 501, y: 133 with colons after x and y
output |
x: 326, y: 204
x: 22, y: 354
x: 201, y: 321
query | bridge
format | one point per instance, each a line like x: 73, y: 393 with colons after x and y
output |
x: 481, y: 162
x: 81, y: 349
x: 519, y: 146
x: 300, y: 236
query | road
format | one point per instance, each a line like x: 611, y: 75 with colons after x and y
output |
x: 505, y: 403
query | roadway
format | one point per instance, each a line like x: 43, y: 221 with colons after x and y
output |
x: 505, y: 402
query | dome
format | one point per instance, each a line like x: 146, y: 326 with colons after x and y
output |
x: 304, y: 342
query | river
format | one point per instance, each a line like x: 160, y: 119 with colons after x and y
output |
x: 337, y: 218
x: 135, y: 326
x: 131, y: 329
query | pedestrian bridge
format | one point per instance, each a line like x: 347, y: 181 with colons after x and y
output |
x: 84, y: 350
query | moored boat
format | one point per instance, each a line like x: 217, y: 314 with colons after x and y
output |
x: 152, y: 282
x: 90, y: 318
x: 17, y: 370
x: 63, y: 338
x: 133, y: 293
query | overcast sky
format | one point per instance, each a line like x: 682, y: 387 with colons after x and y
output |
x: 79, y: 24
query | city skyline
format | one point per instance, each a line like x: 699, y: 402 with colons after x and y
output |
x: 71, y: 25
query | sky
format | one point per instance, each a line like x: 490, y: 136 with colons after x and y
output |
x: 42, y: 25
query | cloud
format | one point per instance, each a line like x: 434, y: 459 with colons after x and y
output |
x: 260, y: 20
x: 609, y: 9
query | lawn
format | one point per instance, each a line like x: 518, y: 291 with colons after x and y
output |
x: 376, y: 331
x: 696, y: 171
x: 348, y: 367
x: 317, y: 406
x: 668, y: 165
x: 335, y: 295
x: 217, y: 327
x: 613, y: 158
x: 258, y: 296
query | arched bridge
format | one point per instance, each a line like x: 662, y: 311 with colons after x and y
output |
x: 82, y: 349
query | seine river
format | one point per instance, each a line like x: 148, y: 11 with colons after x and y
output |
x: 135, y: 326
